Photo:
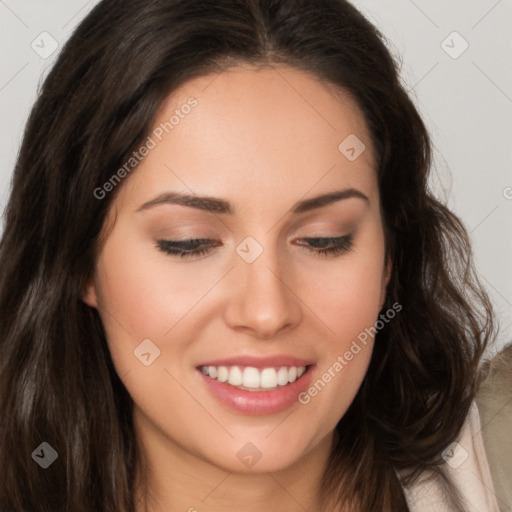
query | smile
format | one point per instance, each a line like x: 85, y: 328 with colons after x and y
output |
x: 255, y: 379
x: 264, y: 388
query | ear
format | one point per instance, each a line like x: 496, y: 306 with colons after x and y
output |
x: 89, y: 295
x: 385, y: 281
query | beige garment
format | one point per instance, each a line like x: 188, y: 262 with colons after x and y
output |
x: 466, y: 465
x: 494, y: 401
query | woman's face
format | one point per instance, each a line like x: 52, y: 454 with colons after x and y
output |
x: 279, y: 286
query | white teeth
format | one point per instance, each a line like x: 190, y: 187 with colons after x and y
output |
x: 222, y: 374
x: 282, y: 376
x: 268, y: 378
x: 235, y: 376
x: 251, y: 378
x: 254, y: 378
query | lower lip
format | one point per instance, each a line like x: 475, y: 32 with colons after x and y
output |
x: 258, y: 402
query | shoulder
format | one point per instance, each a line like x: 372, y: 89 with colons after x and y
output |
x: 465, y: 465
x: 494, y: 400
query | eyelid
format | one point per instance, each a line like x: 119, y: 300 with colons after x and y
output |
x: 334, y: 246
x: 333, y: 233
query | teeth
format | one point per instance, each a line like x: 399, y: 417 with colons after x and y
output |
x: 282, y: 376
x: 254, y: 378
x: 235, y: 376
x: 268, y: 378
x: 222, y: 374
x: 251, y: 378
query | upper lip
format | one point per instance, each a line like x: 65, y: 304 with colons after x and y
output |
x: 258, y: 361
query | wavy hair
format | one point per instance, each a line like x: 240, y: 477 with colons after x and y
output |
x: 57, y: 380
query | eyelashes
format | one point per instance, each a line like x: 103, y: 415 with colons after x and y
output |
x: 325, y: 246
x: 187, y: 248
x: 328, y: 245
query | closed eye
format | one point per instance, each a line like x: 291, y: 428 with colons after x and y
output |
x: 329, y: 245
x: 325, y: 246
x: 187, y: 248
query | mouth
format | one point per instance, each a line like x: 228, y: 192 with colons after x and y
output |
x: 249, y: 378
x: 257, y: 387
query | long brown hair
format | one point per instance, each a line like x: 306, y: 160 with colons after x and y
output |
x: 57, y: 381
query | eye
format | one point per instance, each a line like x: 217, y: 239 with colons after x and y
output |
x: 327, y: 246
x: 187, y: 248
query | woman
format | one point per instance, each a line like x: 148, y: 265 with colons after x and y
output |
x: 224, y: 282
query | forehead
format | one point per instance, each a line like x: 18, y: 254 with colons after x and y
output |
x: 260, y: 130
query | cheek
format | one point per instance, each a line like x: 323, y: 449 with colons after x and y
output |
x: 143, y: 293
x: 347, y: 300
x: 350, y: 311
x: 358, y: 302
x: 347, y: 296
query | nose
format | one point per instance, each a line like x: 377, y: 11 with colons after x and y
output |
x: 262, y: 300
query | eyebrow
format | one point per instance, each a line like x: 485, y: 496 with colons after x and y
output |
x: 216, y: 205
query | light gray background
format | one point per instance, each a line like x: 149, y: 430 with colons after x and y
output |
x: 466, y: 102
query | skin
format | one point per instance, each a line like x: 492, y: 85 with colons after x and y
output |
x: 262, y: 139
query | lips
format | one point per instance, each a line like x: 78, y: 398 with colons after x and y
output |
x: 258, y: 362
x: 256, y: 385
